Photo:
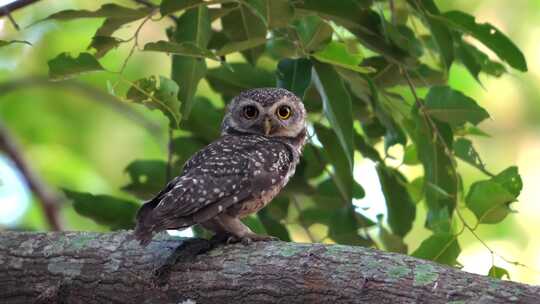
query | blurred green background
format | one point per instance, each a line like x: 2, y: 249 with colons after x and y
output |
x: 75, y: 142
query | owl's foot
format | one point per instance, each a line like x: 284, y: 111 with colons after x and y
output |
x: 252, y: 237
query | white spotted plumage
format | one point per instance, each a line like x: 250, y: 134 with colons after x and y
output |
x: 234, y: 176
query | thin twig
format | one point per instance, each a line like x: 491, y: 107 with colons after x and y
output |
x: 11, y: 7
x: 49, y: 199
x: 11, y: 19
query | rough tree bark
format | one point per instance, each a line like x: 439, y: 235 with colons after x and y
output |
x: 83, y: 267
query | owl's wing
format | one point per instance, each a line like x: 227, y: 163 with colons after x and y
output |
x: 226, y: 172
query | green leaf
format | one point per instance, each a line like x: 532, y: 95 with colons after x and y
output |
x: 387, y: 74
x: 147, y: 177
x: 510, y: 180
x: 464, y: 149
x: 416, y: 189
x: 490, y: 36
x: 400, y: 206
x: 343, y: 228
x: 192, y: 27
x: 106, y: 11
x: 241, y: 76
x: 476, y: 61
x: 185, y: 147
x: 294, y: 75
x: 168, y: 7
x: 345, y: 12
x: 278, y: 13
x: 440, y: 32
x: 244, y: 25
x: 240, y: 46
x: 204, y: 121
x: 6, y: 42
x: 336, y: 53
x: 439, y: 247
x: 498, y: 272
x: 410, y: 157
x: 391, y: 242
x: 489, y: 201
x: 188, y: 49
x: 272, y: 226
x: 453, y: 107
x: 366, y: 149
x: 103, y: 44
x: 337, y: 106
x: 313, y: 33
x: 311, y: 165
x: 106, y: 210
x: 438, y: 167
x: 64, y: 66
x: 162, y: 96
x: 343, y: 177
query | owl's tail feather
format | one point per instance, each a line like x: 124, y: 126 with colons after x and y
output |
x: 144, y: 231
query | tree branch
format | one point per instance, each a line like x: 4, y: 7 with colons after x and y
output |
x: 50, y: 200
x: 84, y: 267
x: 9, y: 8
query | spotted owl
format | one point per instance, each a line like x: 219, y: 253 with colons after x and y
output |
x: 262, y: 136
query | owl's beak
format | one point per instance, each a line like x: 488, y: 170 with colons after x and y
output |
x: 267, y: 126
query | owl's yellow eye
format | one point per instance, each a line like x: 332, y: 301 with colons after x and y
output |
x: 250, y: 112
x: 284, y: 112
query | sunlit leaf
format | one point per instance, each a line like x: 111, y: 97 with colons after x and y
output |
x: 453, y: 107
x: 313, y: 32
x: 490, y: 36
x: 106, y: 210
x: 489, y: 201
x: 65, y: 66
x: 336, y: 53
x: 294, y: 75
x: 103, y: 44
x: 337, y: 106
x: 464, y: 149
x: 240, y: 46
x: 440, y: 32
x: 154, y: 95
x: 498, y: 272
x: 510, y: 180
x: 410, y: 157
x: 188, y: 49
x: 106, y: 11
x: 441, y: 248
x: 192, y: 27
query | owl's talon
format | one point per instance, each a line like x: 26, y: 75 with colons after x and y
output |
x: 250, y: 238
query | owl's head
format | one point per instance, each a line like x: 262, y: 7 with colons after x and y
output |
x: 272, y: 112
